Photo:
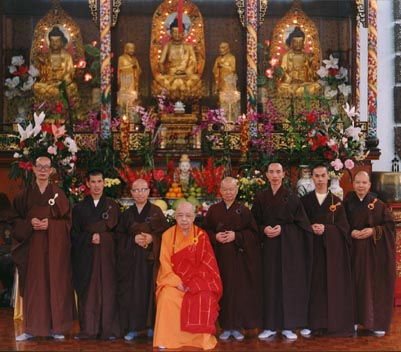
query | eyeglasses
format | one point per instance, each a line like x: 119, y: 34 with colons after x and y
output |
x: 43, y: 167
x: 139, y: 190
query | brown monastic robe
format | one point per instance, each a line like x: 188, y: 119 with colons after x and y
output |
x: 137, y: 267
x: 287, y: 259
x: 95, y: 267
x: 43, y: 260
x: 373, y: 263
x: 240, y: 265
x: 330, y: 300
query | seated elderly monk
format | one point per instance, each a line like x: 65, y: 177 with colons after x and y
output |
x: 299, y: 68
x: 178, y: 67
x: 188, y: 286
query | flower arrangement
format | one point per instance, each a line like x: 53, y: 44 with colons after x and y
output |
x: 318, y: 136
x: 43, y: 138
x: 209, y: 178
x: 334, y: 79
x: 19, y: 86
x: 271, y: 67
x: 250, y: 182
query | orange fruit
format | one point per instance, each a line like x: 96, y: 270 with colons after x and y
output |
x: 180, y: 195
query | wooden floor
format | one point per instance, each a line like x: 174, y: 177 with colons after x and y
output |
x: 363, y: 341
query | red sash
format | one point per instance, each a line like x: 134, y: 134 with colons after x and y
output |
x: 197, y: 267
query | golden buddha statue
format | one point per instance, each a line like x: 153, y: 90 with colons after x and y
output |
x: 224, y: 65
x: 55, y: 66
x: 128, y: 74
x: 178, y: 69
x: 299, y: 68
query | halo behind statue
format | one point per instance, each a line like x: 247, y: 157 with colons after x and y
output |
x: 295, y: 17
x: 57, y: 17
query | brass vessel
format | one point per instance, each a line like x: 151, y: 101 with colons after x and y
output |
x: 387, y: 185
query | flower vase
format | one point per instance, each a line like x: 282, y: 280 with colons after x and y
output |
x: 22, y: 114
x: 305, y: 183
x: 335, y: 187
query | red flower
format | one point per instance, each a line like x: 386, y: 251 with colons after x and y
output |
x: 28, y: 166
x: 328, y: 155
x: 59, y: 107
x: 311, y: 117
x: 333, y: 71
x: 47, y: 127
x: 22, y: 144
x: 60, y: 145
x: 158, y: 174
x: 22, y: 70
x: 318, y: 141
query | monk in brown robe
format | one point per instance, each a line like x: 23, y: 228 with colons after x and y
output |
x: 93, y: 256
x: 138, y: 247
x: 373, y: 256
x: 287, y: 256
x: 41, y: 251
x: 188, y: 286
x: 234, y: 236
x: 330, y: 300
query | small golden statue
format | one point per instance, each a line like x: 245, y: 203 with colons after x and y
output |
x: 299, y: 68
x: 224, y: 65
x: 128, y: 74
x: 55, y: 66
x: 183, y: 172
x: 178, y: 73
x: 224, y: 71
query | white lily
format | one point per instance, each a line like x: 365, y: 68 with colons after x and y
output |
x: 38, y: 122
x: 17, y: 60
x: 11, y: 83
x: 25, y: 134
x: 344, y: 89
x: 33, y: 71
x: 343, y: 73
x: 322, y: 72
x: 28, y: 84
x: 353, y: 132
x: 350, y: 111
x: 329, y: 92
x: 71, y: 144
x: 331, y: 63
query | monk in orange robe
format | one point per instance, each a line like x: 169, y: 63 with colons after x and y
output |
x: 188, y: 286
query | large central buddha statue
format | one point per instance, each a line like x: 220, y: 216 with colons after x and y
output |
x: 55, y: 66
x: 299, y: 68
x: 178, y: 68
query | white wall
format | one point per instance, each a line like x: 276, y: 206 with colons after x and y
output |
x: 385, y: 85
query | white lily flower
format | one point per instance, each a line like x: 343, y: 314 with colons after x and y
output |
x: 17, y: 60
x: 38, y: 122
x: 71, y: 144
x: 343, y: 73
x: 25, y: 134
x: 28, y: 84
x: 11, y: 83
x: 353, y: 132
x: 331, y: 63
x: 350, y: 111
x: 322, y: 72
x: 12, y: 69
x: 344, y: 89
x: 33, y: 71
x: 329, y: 92
x: 17, y: 155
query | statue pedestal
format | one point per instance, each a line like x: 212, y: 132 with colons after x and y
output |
x: 177, y: 132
